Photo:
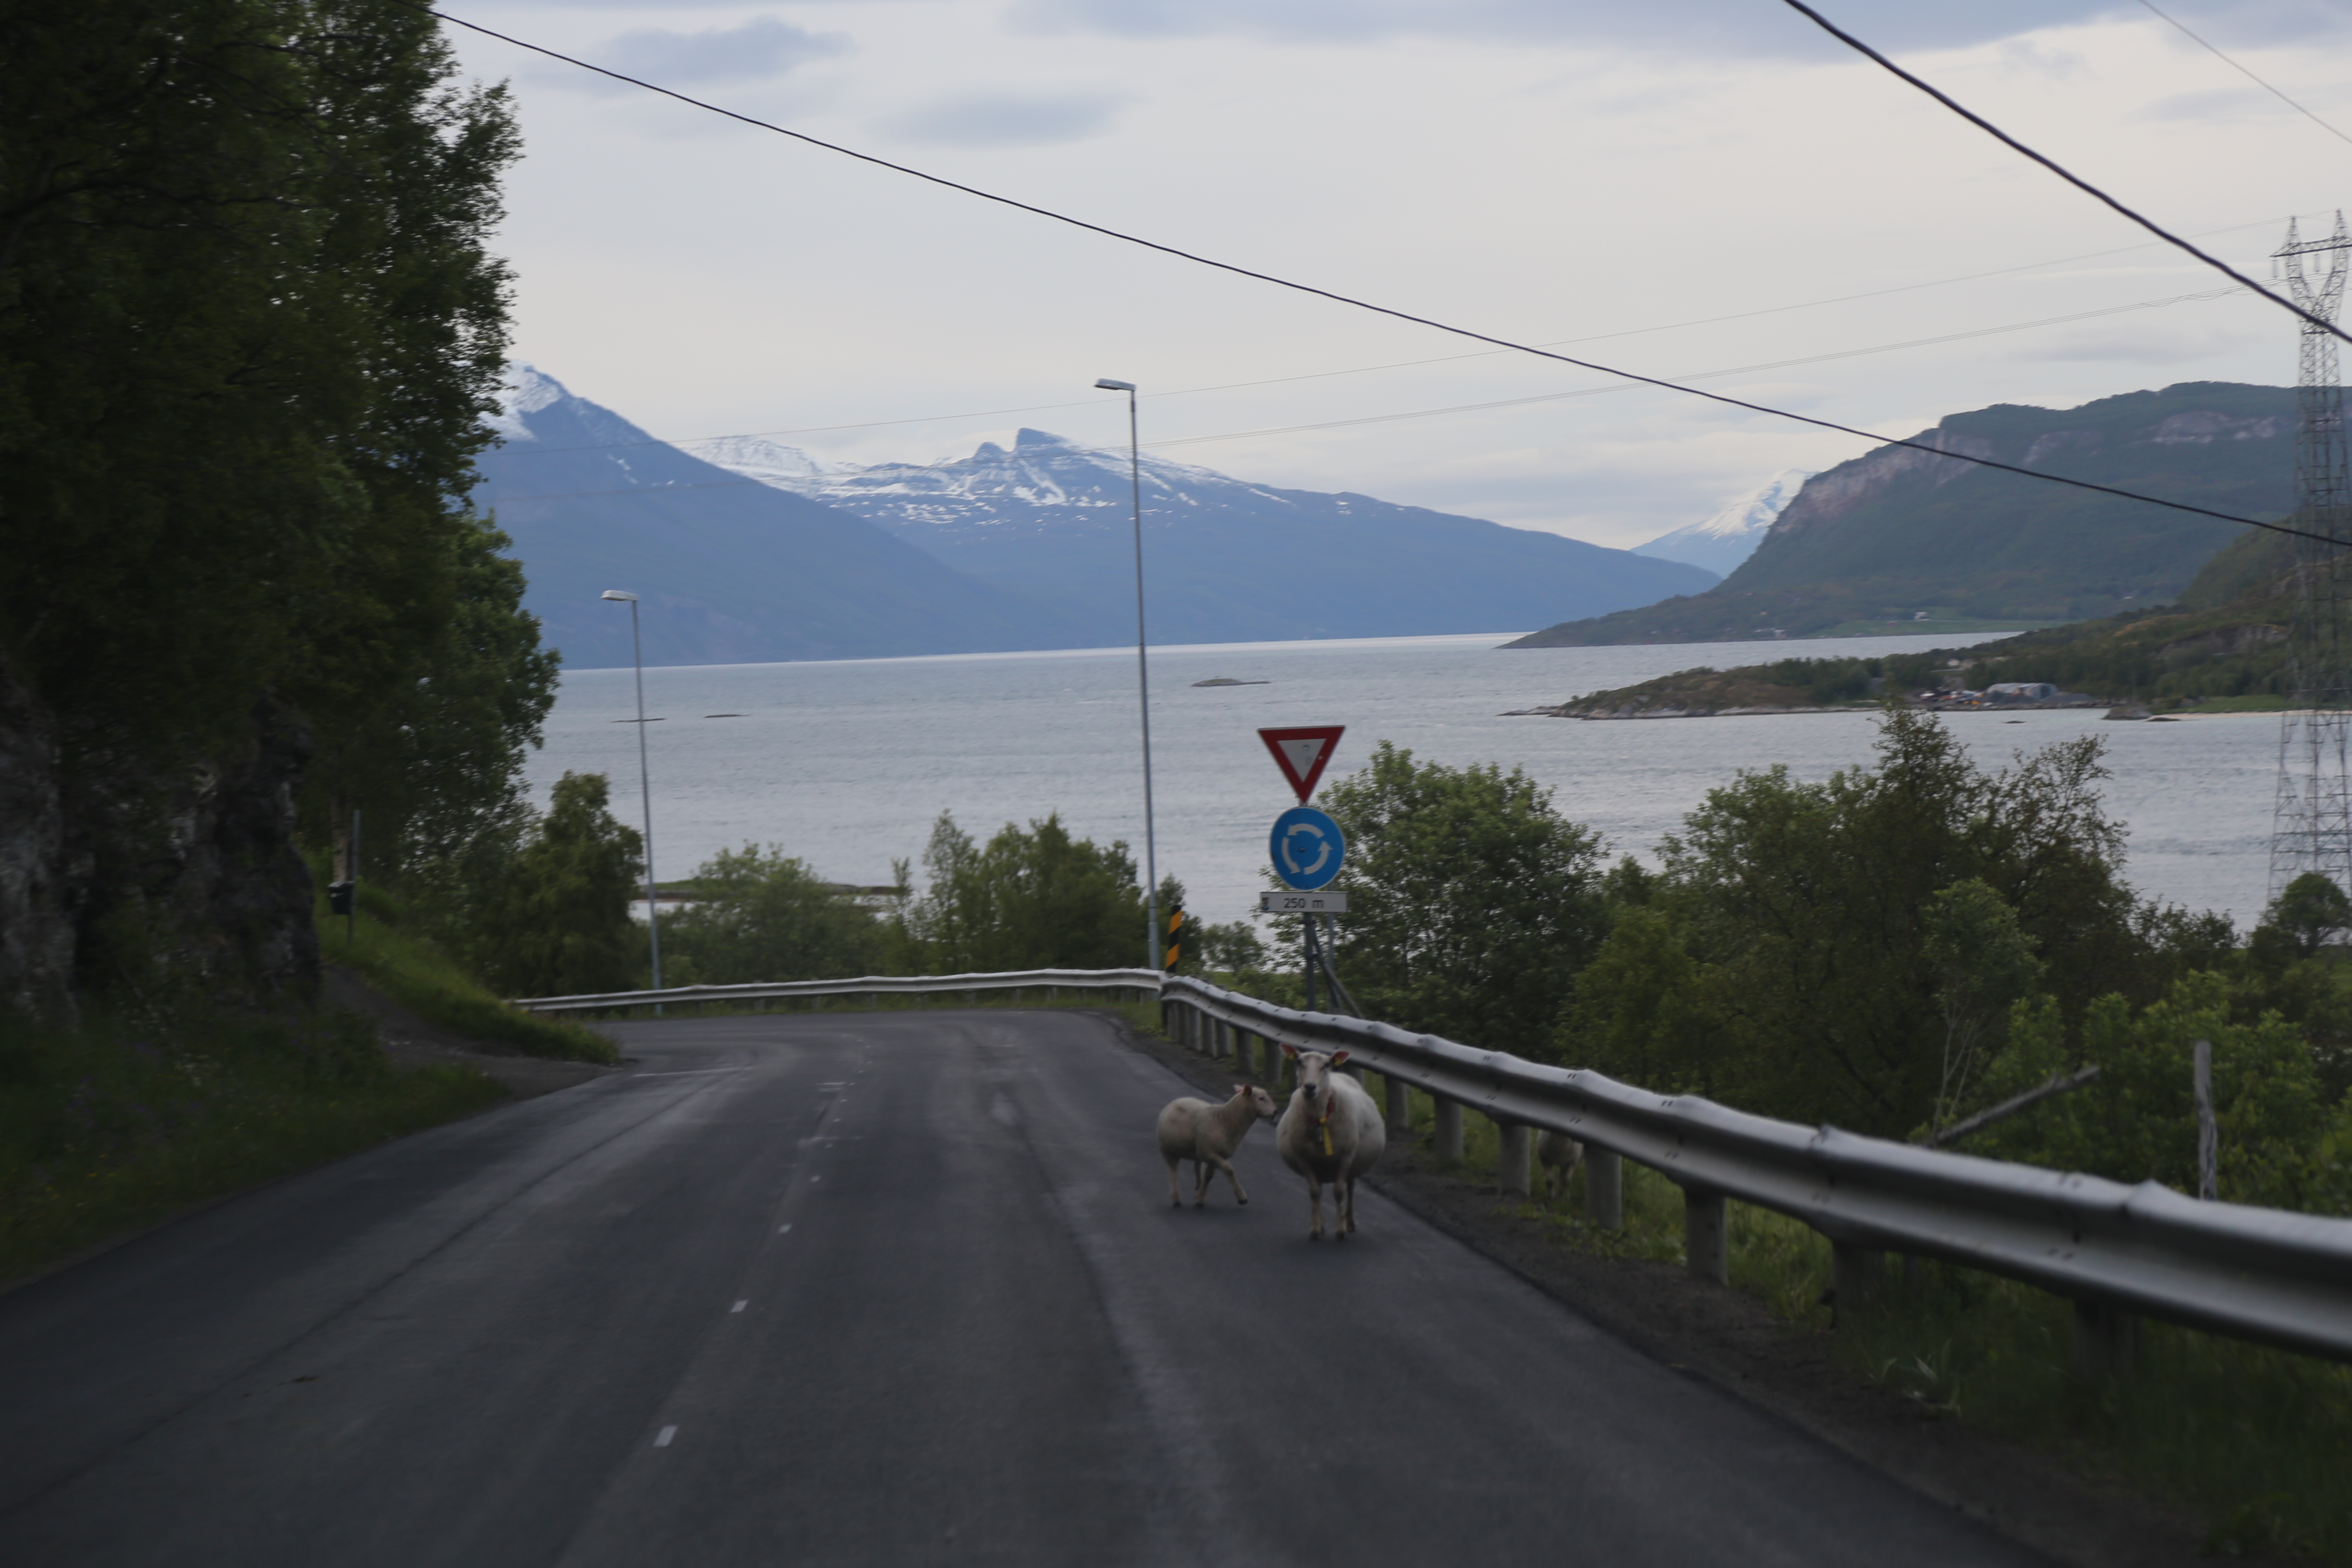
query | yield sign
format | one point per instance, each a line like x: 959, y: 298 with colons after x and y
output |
x: 1301, y: 754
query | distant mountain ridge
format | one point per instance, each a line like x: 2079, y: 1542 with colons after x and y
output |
x: 728, y: 571
x: 1898, y: 532
x: 1722, y: 541
x: 1226, y: 560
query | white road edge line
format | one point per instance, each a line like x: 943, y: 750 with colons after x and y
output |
x: 691, y: 1072
x: 662, y: 1439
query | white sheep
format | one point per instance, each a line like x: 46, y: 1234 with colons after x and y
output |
x: 1558, y: 1153
x: 1332, y: 1133
x: 1207, y: 1135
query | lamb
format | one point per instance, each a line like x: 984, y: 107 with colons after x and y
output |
x: 1207, y: 1135
x: 1332, y: 1133
x: 1558, y: 1153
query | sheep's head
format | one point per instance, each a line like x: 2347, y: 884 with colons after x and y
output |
x: 1261, y: 1102
x: 1315, y: 1072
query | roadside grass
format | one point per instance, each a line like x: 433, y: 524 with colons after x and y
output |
x: 408, y: 967
x: 122, y: 1123
x: 2258, y: 1440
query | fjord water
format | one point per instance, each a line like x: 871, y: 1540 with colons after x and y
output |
x: 847, y: 764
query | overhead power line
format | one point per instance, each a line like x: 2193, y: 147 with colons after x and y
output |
x: 2243, y: 72
x: 689, y: 446
x: 1456, y: 359
x: 1395, y: 314
x: 2080, y: 183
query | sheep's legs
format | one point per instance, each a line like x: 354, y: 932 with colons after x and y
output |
x: 1343, y: 1199
x: 1175, y: 1198
x: 1314, y: 1207
x: 1233, y: 1179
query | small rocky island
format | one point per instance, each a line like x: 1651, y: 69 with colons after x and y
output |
x: 1229, y: 680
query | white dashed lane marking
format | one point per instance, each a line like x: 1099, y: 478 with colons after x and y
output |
x: 661, y: 1439
x: 739, y: 1306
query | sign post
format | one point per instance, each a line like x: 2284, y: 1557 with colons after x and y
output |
x: 1306, y: 846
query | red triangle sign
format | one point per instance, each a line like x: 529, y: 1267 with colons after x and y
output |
x: 1301, y: 754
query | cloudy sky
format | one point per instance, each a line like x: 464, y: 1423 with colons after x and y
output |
x: 1680, y: 187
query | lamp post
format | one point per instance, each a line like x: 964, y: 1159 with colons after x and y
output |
x: 1151, y: 947
x: 645, y: 785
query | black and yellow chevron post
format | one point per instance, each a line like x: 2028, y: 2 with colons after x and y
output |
x: 1175, y: 938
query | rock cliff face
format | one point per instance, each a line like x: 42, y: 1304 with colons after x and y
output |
x: 120, y: 878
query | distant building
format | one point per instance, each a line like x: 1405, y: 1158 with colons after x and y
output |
x: 2021, y: 691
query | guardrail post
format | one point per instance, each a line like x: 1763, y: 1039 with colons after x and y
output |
x: 1604, y: 1187
x: 1516, y: 1149
x: 1400, y: 1098
x: 1706, y: 1235
x: 2107, y: 1342
x: 1446, y: 1141
x: 1857, y: 1275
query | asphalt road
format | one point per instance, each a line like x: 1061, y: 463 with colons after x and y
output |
x: 899, y: 1287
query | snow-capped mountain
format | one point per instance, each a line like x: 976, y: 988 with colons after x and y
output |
x: 730, y: 571
x: 1731, y: 535
x: 770, y: 462
x: 1226, y: 560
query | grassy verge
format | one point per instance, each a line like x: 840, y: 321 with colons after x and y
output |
x: 118, y: 1124
x: 2259, y: 1440
x: 411, y: 970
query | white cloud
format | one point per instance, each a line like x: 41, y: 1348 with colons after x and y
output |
x: 1005, y: 120
x: 761, y: 49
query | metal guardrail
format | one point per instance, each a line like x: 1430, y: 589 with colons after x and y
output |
x: 1143, y: 980
x: 2255, y: 1274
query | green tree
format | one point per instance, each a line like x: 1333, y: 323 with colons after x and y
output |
x: 1472, y: 900
x: 1640, y: 1010
x: 1809, y: 904
x: 435, y: 761
x: 557, y: 922
x: 1029, y: 899
x: 2137, y: 1122
x: 249, y: 328
x: 2308, y: 911
x: 764, y: 916
x: 1982, y: 964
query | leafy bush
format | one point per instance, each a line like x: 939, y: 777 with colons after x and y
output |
x: 1029, y: 899
x: 764, y: 916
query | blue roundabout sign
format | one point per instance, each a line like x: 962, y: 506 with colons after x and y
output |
x: 1307, y: 849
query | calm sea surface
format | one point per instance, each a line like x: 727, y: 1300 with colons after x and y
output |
x: 847, y: 764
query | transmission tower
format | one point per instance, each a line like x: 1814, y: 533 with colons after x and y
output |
x: 2312, y: 830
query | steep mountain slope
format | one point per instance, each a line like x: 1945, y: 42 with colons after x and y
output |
x: 1225, y: 560
x: 731, y: 571
x: 1896, y: 531
x: 1728, y: 538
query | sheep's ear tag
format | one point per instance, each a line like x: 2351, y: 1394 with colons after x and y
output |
x: 1291, y: 1051
x: 1338, y: 1056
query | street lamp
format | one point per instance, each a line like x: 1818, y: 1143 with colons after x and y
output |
x: 645, y: 785
x: 1152, y: 948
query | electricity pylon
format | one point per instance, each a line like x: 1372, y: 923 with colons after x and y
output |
x: 2312, y: 828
